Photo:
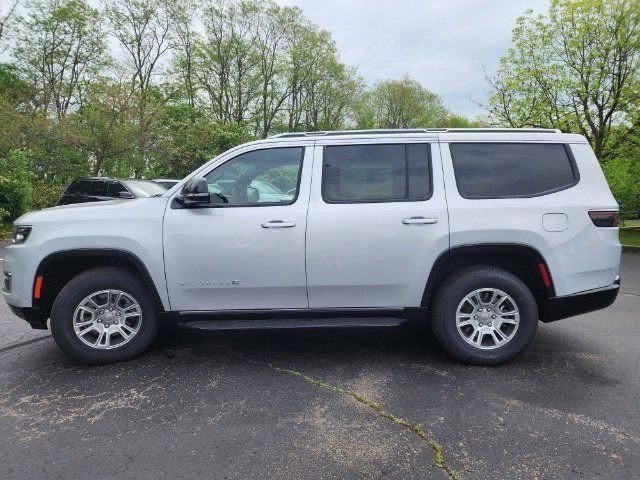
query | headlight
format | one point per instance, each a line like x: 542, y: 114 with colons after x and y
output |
x: 20, y: 234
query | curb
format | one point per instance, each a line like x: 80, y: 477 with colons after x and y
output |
x: 630, y: 249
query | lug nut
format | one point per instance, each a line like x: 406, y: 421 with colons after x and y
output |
x: 493, y: 316
x: 475, y: 317
x: 489, y: 323
x: 479, y: 309
x: 480, y: 324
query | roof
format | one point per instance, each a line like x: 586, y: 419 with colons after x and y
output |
x: 114, y: 179
x: 443, y: 134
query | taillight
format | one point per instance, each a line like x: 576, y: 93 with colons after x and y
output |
x: 601, y: 218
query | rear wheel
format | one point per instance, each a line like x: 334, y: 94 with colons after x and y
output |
x: 484, y: 315
x: 104, y: 315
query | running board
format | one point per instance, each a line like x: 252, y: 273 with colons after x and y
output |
x: 269, y: 324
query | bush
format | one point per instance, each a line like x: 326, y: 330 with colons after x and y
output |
x: 624, y: 184
x: 15, y: 185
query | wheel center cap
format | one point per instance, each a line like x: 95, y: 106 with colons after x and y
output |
x: 108, y: 317
x: 484, y: 317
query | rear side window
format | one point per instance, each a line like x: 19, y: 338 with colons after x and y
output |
x: 376, y: 173
x: 511, y: 170
x: 99, y: 188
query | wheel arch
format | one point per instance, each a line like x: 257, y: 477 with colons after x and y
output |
x: 523, y: 261
x: 57, y: 268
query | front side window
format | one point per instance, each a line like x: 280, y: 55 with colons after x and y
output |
x: 376, y: 173
x: 511, y: 170
x: 260, y: 177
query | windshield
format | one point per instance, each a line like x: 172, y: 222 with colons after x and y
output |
x: 144, y: 188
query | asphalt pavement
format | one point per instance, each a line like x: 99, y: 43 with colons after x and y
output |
x: 372, y: 403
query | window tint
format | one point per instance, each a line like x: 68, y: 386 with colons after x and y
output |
x: 98, y: 188
x: 78, y: 187
x: 115, y: 188
x: 269, y: 176
x: 499, y: 170
x: 376, y: 173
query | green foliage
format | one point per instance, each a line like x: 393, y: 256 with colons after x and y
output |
x: 189, y: 139
x: 15, y: 185
x: 623, y: 181
x: 404, y: 103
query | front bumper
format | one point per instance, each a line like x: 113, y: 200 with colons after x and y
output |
x: 31, y: 315
x: 557, y: 308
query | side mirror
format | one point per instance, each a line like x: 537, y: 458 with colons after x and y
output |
x: 125, y: 194
x: 194, y: 193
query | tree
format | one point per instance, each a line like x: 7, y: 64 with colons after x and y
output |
x: 183, y: 43
x: 60, y: 48
x: 577, y: 69
x: 5, y: 17
x: 106, y: 128
x: 143, y: 29
x: 404, y: 103
x: 226, y: 61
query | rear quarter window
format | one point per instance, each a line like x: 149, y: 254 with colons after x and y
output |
x: 512, y: 170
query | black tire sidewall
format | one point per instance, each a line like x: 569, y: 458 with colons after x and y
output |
x: 82, y: 286
x: 456, y: 288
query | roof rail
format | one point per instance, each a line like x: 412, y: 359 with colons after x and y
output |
x: 337, y: 133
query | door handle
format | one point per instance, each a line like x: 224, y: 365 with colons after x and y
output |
x: 278, y: 224
x: 419, y: 221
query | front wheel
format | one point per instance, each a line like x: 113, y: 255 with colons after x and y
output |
x: 104, y: 315
x: 484, y: 315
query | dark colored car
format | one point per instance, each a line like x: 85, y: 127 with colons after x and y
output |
x: 100, y: 189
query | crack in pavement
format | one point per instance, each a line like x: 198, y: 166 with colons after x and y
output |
x: 22, y: 344
x: 415, y: 428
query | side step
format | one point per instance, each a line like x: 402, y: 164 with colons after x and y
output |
x: 269, y: 324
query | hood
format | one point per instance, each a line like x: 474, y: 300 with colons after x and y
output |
x: 108, y: 210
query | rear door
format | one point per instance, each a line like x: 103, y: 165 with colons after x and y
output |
x: 377, y: 222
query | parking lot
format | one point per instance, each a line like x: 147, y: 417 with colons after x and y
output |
x: 376, y: 403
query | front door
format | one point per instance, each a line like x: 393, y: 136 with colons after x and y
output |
x: 377, y: 222
x: 247, y: 249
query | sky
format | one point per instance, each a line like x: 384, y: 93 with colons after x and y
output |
x: 444, y: 44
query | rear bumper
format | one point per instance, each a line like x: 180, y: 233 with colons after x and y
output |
x: 31, y: 315
x: 557, y: 308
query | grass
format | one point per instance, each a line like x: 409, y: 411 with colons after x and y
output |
x: 630, y: 237
x: 632, y: 223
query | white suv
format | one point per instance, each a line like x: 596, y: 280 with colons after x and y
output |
x: 479, y: 232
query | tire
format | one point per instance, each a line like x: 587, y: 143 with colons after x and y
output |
x: 140, y: 318
x: 451, y: 300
